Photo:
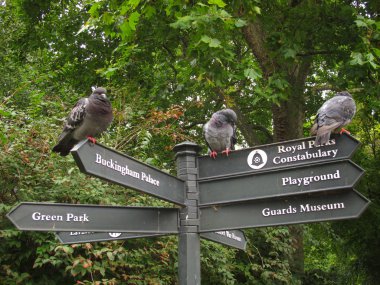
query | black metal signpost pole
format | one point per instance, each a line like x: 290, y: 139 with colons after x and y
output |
x: 189, y: 269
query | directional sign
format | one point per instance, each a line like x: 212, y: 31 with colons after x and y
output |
x: 233, y: 238
x: 105, y: 163
x: 85, y: 218
x: 345, y: 204
x: 281, y: 182
x: 82, y: 237
x: 277, y: 155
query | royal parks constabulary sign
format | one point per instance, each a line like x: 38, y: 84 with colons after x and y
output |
x: 278, y: 155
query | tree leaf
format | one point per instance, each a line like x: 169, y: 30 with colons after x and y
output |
x: 133, y: 20
x: 251, y: 74
x: 219, y: 3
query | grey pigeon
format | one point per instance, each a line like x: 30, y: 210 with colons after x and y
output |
x: 89, y: 117
x: 334, y: 114
x: 220, y: 132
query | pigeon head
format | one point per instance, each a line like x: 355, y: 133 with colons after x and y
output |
x: 100, y: 94
x: 100, y: 91
x: 227, y: 115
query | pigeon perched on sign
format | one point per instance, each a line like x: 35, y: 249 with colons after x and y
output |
x: 89, y: 117
x: 334, y: 114
x: 220, y: 132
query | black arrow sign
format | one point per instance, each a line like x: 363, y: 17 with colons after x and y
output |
x: 277, y: 155
x: 281, y: 182
x: 105, y: 163
x: 346, y: 204
x: 233, y: 238
x: 94, y: 218
x: 81, y: 237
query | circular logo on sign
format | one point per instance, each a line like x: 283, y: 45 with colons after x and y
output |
x: 257, y: 159
x: 114, y: 235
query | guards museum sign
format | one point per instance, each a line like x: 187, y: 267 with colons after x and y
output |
x: 277, y: 184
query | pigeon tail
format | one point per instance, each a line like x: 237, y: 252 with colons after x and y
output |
x: 322, y: 138
x: 324, y: 132
x: 313, y: 130
x: 64, y: 147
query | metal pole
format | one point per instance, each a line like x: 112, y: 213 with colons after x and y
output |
x: 189, y: 268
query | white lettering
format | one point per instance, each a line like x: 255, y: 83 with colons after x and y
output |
x: 80, y: 233
x: 73, y: 218
x: 124, y: 170
x: 310, y: 179
x: 230, y: 235
x: 324, y: 207
x: 266, y: 212
x: 37, y: 216
x: 149, y: 179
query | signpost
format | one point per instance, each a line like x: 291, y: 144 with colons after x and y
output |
x: 233, y: 238
x: 73, y: 217
x: 286, y: 154
x: 307, y: 208
x: 81, y: 237
x: 105, y: 163
x: 276, y: 184
x: 282, y: 182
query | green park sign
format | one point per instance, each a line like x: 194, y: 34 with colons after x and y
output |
x: 74, y: 217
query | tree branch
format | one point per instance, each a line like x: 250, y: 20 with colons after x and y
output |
x: 316, y: 52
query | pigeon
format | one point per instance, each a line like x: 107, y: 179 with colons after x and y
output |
x: 220, y: 132
x: 334, y: 114
x: 89, y: 117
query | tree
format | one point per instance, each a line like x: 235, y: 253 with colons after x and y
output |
x: 169, y: 65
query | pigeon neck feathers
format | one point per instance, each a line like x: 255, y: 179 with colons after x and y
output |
x: 226, y: 116
x: 344, y: 93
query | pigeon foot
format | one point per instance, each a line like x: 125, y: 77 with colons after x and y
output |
x: 343, y: 130
x: 213, y: 154
x: 91, y: 139
x: 226, y: 151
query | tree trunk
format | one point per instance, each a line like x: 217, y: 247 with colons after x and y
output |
x: 288, y: 115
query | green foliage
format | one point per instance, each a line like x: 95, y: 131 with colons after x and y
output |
x: 168, y: 65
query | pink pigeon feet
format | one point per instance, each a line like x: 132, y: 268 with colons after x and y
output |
x: 213, y: 154
x: 226, y: 151
x: 91, y: 139
x: 343, y: 130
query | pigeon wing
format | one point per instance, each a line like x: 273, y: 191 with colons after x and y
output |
x: 205, y: 135
x: 73, y: 121
x: 233, y: 138
x: 335, y: 113
x: 337, y: 110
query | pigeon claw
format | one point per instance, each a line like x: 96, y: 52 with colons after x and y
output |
x: 213, y: 154
x: 343, y: 130
x: 226, y: 151
x: 91, y: 139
